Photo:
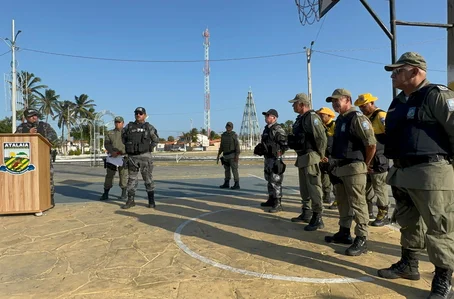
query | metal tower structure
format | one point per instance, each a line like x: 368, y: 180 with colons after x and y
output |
x: 206, y: 71
x: 250, y: 131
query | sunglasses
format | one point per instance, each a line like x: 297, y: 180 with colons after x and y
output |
x: 399, y: 70
x: 138, y: 113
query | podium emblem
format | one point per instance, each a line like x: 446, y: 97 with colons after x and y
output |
x: 16, y: 158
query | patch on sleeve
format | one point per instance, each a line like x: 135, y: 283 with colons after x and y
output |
x: 359, y: 113
x: 411, y: 113
x: 382, y: 120
x: 365, y: 125
x: 316, y: 122
x: 450, y: 104
x: 442, y: 87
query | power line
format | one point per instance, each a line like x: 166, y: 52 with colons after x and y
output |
x: 5, y: 53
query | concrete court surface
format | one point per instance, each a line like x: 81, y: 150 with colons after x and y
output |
x: 201, y: 242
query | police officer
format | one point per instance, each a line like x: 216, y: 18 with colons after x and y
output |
x: 353, y: 150
x: 34, y: 125
x: 140, y: 138
x: 327, y: 116
x: 113, y: 143
x: 420, y: 140
x: 376, y: 187
x: 309, y: 141
x: 230, y: 150
x: 272, y: 146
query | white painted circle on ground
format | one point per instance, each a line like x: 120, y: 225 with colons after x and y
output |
x: 185, y: 248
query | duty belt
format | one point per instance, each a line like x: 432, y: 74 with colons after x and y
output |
x: 415, y: 160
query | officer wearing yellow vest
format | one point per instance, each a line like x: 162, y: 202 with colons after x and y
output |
x: 376, y: 178
x: 420, y: 140
x: 353, y: 150
x: 327, y: 116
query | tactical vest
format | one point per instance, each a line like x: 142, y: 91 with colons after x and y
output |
x: 269, y: 141
x: 379, y: 163
x: 302, y: 130
x: 407, y: 135
x: 329, y: 147
x: 138, y: 139
x: 347, y: 146
x: 39, y: 128
x: 228, y: 143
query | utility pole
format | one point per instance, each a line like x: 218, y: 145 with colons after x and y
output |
x: 392, y: 20
x: 309, y: 76
x: 451, y: 44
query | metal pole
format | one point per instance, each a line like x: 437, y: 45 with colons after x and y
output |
x: 309, y: 75
x: 451, y: 45
x: 13, y: 79
x: 392, y: 18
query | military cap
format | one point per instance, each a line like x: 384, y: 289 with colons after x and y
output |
x: 119, y: 119
x: 30, y: 112
x: 339, y: 93
x: 364, y: 99
x: 140, y: 109
x: 327, y: 111
x: 271, y: 112
x: 229, y: 124
x: 408, y: 58
x: 301, y: 98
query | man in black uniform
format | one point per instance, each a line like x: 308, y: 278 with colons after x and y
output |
x: 140, y: 138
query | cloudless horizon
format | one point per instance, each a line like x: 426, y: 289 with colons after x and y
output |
x: 173, y: 92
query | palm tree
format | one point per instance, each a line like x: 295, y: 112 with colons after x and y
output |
x: 288, y: 126
x: 65, y: 116
x: 30, y: 87
x: 84, y: 107
x: 48, y: 103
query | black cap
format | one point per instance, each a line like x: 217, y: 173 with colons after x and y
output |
x: 229, y: 124
x: 30, y: 112
x: 271, y: 112
x: 140, y: 109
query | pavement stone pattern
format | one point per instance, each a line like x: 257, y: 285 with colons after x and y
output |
x: 84, y: 248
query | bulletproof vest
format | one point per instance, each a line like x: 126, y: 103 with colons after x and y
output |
x: 228, y: 142
x: 408, y: 135
x: 38, y: 125
x: 380, y: 163
x: 329, y: 147
x: 138, y: 139
x: 302, y: 130
x: 347, y: 146
x: 269, y: 141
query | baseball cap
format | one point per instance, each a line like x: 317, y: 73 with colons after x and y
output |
x: 119, y: 119
x: 30, y: 112
x: 338, y: 93
x: 229, y: 124
x: 271, y: 112
x: 327, y: 111
x: 408, y: 58
x: 140, y: 109
x: 364, y: 99
x: 301, y: 98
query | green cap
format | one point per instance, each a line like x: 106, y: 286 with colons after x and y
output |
x: 338, y: 93
x: 301, y: 98
x: 229, y: 124
x: 119, y: 119
x: 408, y: 58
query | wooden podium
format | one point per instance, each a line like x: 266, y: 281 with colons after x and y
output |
x: 24, y: 174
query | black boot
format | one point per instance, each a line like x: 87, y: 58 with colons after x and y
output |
x: 129, y: 203
x: 370, y: 208
x: 151, y: 203
x: 123, y: 193
x: 105, y: 195
x: 315, y: 223
x: 305, y: 216
x: 342, y: 236
x: 406, y: 268
x: 236, y: 186
x: 225, y: 185
x: 441, y: 284
x: 359, y: 246
x: 382, y: 217
x: 277, y: 207
x: 52, y: 201
x: 268, y: 203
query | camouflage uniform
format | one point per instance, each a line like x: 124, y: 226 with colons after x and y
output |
x: 420, y: 140
x: 49, y: 133
x: 140, y: 161
x: 230, y: 150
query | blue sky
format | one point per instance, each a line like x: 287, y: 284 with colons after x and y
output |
x: 173, y: 93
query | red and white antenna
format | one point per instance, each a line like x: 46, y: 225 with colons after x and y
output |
x: 206, y: 71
